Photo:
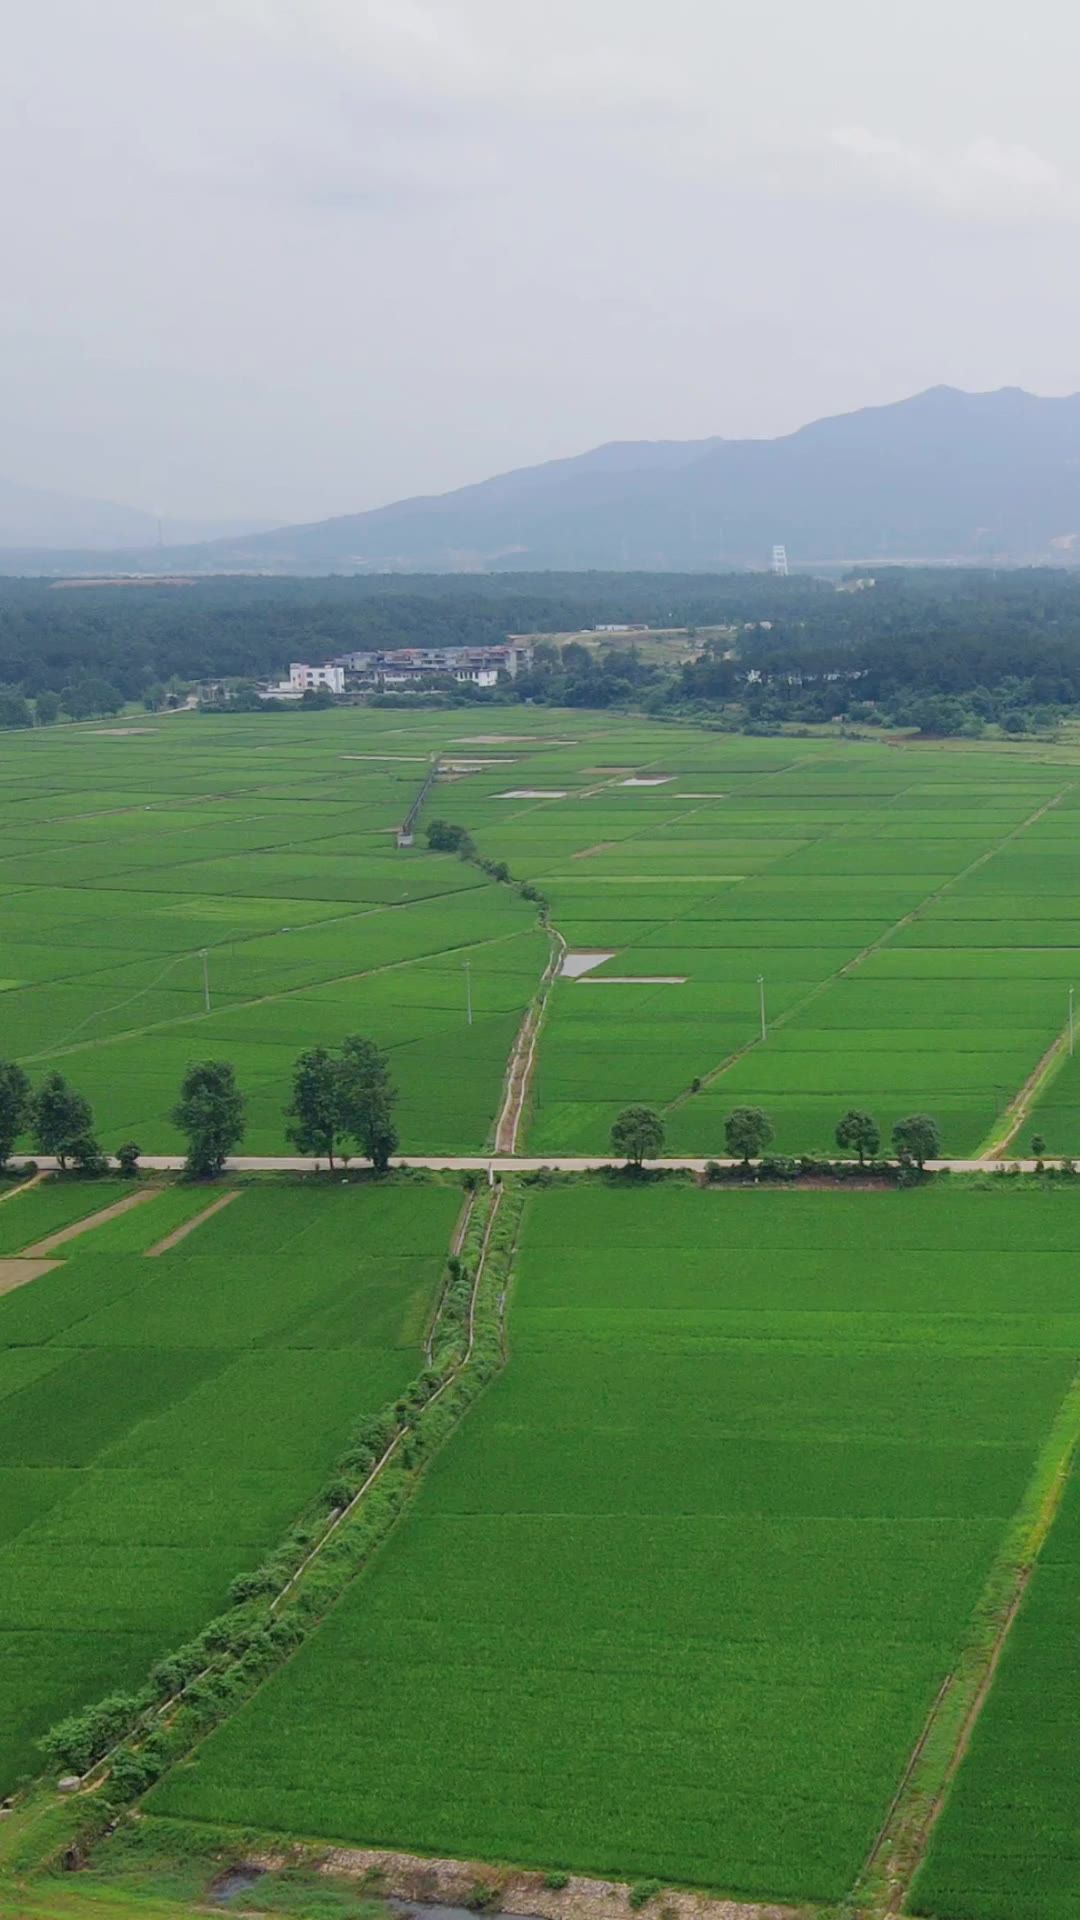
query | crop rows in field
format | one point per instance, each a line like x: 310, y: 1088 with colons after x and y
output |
x: 911, y: 912
x: 1008, y: 1846
x: 278, y: 857
x: 677, y: 1598
x: 912, y: 915
x: 163, y: 1421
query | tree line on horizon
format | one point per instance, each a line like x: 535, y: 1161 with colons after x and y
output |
x: 944, y: 650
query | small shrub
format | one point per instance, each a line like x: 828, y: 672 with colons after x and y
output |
x: 643, y: 1891
x: 556, y: 1879
x: 482, y: 1895
x: 127, y: 1159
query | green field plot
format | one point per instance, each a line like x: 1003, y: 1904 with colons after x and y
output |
x: 279, y: 860
x: 30, y: 1215
x: 830, y: 875
x: 881, y: 893
x: 1008, y: 1844
x: 686, y: 1582
x: 163, y: 1421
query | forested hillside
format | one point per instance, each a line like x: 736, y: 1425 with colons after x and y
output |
x: 802, y: 648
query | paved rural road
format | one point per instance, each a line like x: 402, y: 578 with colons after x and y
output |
x: 517, y: 1163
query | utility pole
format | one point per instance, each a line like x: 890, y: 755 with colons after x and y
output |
x: 761, y: 1004
x: 206, y: 978
x: 468, y: 994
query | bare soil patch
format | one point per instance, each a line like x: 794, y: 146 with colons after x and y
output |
x: 16, y: 1273
x: 60, y: 1239
x: 602, y: 846
x: 181, y: 1232
x: 408, y: 1876
x: 120, y: 733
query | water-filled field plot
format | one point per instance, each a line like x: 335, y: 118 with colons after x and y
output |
x: 163, y: 1421
x: 677, y: 1598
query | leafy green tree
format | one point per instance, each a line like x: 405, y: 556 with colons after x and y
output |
x: 127, y: 1159
x: 60, y: 1118
x: 90, y: 695
x: 47, y: 708
x: 89, y: 1156
x: 748, y: 1132
x: 367, y: 1099
x: 14, y: 711
x: 444, y: 837
x: 917, y: 1139
x: 859, y: 1133
x: 1038, y: 1145
x: 210, y: 1111
x: 314, y: 1113
x: 15, y: 1107
x: 637, y: 1134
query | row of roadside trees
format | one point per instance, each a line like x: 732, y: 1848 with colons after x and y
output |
x: 638, y: 1134
x: 341, y: 1103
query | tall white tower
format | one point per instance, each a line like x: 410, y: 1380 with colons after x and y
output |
x: 779, y: 562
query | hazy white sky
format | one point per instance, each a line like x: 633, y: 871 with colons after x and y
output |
x: 294, y: 257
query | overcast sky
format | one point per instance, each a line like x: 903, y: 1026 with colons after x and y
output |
x: 285, y: 258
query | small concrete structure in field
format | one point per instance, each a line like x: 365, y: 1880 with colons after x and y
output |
x: 574, y: 965
x: 638, y: 980
x: 647, y: 780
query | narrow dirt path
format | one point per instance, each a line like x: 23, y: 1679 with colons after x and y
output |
x: 79, y: 1227
x: 1019, y: 1108
x: 17, y: 1271
x: 181, y: 1232
x: 25, y: 1186
x: 519, y: 1072
x: 456, y: 1244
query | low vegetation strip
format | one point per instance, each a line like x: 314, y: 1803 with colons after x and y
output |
x: 689, y: 1580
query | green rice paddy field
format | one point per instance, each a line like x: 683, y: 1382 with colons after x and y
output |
x: 1008, y: 1847
x: 912, y: 910
x: 677, y: 1597
x: 164, y: 1421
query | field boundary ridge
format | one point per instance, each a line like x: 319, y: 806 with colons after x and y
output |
x: 888, y: 1874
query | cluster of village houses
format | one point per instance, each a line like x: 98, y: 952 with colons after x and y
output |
x: 401, y: 667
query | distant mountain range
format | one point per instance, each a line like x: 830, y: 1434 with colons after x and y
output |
x: 34, y: 519
x: 944, y: 476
